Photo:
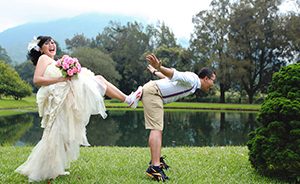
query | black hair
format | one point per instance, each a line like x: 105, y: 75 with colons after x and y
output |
x: 33, y: 54
x: 206, y: 72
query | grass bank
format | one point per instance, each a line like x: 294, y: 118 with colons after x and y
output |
x: 25, y: 103
x: 194, y: 106
x: 29, y: 103
x: 128, y: 165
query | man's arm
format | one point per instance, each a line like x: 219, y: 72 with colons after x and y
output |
x: 156, y: 63
x: 155, y: 72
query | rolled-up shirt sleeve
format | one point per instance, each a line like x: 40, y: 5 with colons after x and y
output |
x: 184, y: 77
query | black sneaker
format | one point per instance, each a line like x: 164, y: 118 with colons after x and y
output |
x: 162, y: 163
x: 156, y: 172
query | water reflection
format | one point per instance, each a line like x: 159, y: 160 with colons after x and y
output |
x: 126, y: 128
x: 12, y: 128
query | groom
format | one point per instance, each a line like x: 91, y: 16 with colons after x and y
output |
x: 172, y: 86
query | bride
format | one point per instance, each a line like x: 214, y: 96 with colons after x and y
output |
x: 65, y: 105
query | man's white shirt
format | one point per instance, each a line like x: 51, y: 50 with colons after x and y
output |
x: 180, y: 85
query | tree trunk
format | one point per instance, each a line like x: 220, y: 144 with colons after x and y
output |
x: 222, y: 93
x: 250, y: 99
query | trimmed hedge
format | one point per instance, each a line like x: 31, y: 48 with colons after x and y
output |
x: 274, y: 147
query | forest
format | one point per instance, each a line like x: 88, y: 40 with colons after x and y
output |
x: 244, y: 41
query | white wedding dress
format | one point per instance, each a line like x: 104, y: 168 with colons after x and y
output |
x: 65, y: 108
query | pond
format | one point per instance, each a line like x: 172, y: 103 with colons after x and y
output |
x: 126, y: 128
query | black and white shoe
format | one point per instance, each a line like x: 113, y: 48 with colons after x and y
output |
x: 163, y: 164
x: 157, y: 173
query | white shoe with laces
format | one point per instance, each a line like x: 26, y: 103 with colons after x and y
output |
x: 66, y: 173
x: 135, y: 97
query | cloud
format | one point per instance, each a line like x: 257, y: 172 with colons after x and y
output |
x: 176, y: 14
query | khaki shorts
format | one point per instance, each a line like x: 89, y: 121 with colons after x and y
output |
x: 153, y: 107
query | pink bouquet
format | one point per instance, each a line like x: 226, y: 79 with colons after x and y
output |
x: 69, y: 66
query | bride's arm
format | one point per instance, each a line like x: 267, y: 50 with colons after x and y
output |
x: 39, y: 79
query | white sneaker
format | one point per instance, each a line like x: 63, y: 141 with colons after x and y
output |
x: 66, y: 173
x: 135, y: 97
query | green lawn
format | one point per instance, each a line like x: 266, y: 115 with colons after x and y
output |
x: 10, y: 112
x: 128, y: 165
x: 10, y: 103
x: 29, y: 103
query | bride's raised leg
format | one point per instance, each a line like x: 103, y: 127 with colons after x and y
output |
x: 113, y: 92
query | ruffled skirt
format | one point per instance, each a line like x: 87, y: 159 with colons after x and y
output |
x: 65, y: 109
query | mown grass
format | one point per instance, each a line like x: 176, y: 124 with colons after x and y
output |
x: 9, y: 112
x: 193, y: 106
x: 30, y: 103
x: 128, y: 165
x: 10, y: 103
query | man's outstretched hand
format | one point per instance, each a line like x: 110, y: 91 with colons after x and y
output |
x: 153, y: 61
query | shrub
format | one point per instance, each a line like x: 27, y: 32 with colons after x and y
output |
x: 11, y: 84
x: 274, y: 147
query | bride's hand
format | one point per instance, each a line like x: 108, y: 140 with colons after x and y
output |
x: 63, y: 79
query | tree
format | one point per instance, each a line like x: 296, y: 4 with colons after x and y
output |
x: 163, y: 36
x: 258, y: 43
x: 174, y: 57
x: 79, y: 40
x: 26, y: 71
x: 163, y: 42
x: 98, y: 62
x: 126, y: 45
x: 4, y: 56
x: 59, y: 51
x: 209, y: 43
x: 292, y: 29
x: 274, y: 147
x: 11, y: 83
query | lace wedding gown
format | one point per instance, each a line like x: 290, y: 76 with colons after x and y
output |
x: 65, y: 108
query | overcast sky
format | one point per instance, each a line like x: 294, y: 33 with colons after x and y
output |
x: 178, y: 15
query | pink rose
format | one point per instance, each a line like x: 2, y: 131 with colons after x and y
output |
x: 70, y: 65
x: 78, y: 67
x: 75, y: 70
x: 70, y: 72
x: 67, y: 60
x: 58, y: 63
x: 65, y: 65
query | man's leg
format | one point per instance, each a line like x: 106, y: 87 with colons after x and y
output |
x: 155, y: 142
x: 154, y: 117
x: 155, y: 170
x: 153, y: 114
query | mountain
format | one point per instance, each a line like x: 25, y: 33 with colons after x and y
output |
x: 15, y: 40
